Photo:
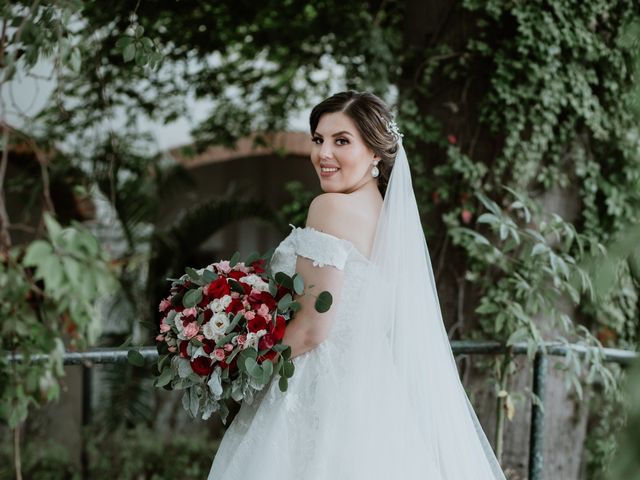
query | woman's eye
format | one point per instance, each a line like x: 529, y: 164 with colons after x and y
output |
x: 342, y: 140
x: 313, y: 140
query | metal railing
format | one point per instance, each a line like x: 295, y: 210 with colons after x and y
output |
x: 536, y: 458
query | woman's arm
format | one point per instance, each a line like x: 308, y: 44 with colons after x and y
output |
x: 328, y: 213
x: 309, y: 328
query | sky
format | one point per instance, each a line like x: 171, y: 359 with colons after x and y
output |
x: 26, y: 95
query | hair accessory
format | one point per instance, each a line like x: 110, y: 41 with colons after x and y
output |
x: 392, y: 128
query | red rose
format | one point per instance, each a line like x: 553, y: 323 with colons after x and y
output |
x: 233, y: 366
x: 207, y: 315
x: 202, y: 366
x: 270, y: 355
x: 268, y: 300
x: 236, y: 275
x: 235, y: 306
x: 257, y: 323
x: 279, y: 328
x: 247, y: 287
x: 258, y: 265
x: 266, y: 341
x: 183, y: 349
x: 218, y: 288
x: 452, y: 139
x: 208, y: 345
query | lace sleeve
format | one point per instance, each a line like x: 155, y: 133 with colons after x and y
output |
x: 321, y: 248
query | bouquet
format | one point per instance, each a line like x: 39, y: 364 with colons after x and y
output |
x: 221, y: 333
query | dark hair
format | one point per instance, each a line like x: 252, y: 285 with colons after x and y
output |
x: 370, y: 114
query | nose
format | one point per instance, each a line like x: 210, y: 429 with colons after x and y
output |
x: 325, y: 150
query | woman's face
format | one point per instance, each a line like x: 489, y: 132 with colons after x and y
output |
x: 339, y: 155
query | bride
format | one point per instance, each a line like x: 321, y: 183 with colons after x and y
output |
x: 376, y: 392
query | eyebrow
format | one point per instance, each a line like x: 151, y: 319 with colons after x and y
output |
x: 336, y: 134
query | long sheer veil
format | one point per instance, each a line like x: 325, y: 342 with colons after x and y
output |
x: 404, y: 300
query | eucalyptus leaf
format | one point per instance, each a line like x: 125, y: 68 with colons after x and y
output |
x: 192, y: 297
x: 298, y: 284
x: 323, y: 302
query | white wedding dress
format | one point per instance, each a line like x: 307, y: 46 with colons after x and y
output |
x: 381, y: 397
x: 311, y: 431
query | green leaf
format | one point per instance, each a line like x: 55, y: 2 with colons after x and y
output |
x: 235, y: 286
x: 53, y: 227
x: 192, y: 297
x: 288, y: 368
x: 129, y: 52
x: 135, y: 358
x: 284, y: 302
x: 164, y: 378
x: 36, y: 252
x: 267, y: 368
x: 193, y: 275
x: 283, y: 383
x: 253, y: 256
x: 123, y: 42
x: 234, y: 259
x: 539, y: 248
x: 253, y: 368
x: 298, y: 284
x: 234, y: 322
x: 283, y: 279
x: 208, y: 276
x: 295, y: 306
x: 488, y: 218
x: 323, y: 302
x: 75, y: 60
x: 273, y: 288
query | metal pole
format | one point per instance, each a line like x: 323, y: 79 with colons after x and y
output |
x: 536, y: 438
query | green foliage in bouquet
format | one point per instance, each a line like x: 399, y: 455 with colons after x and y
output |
x: 48, y: 295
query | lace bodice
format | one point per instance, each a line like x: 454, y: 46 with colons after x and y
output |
x: 322, y: 248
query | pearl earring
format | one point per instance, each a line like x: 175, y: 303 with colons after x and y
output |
x: 374, y: 171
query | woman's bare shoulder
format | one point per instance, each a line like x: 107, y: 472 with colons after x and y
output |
x: 344, y: 216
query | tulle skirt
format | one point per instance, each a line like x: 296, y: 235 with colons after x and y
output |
x: 343, y: 417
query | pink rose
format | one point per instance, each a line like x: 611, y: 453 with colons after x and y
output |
x: 218, y: 353
x: 242, y: 339
x: 200, y: 337
x: 223, y: 266
x: 250, y: 315
x: 190, y: 312
x: 164, y: 327
x: 228, y: 347
x: 263, y: 310
x: 164, y: 304
x: 160, y: 338
x: 191, y: 330
x: 172, y: 349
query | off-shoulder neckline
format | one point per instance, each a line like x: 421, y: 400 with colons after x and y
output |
x: 349, y: 242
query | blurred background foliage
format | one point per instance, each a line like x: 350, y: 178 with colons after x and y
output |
x: 520, y: 120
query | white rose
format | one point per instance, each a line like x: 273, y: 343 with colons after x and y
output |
x: 225, y: 301
x: 252, y: 340
x: 220, y: 322
x: 256, y: 282
x: 209, y: 331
